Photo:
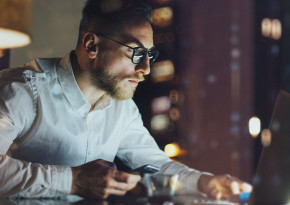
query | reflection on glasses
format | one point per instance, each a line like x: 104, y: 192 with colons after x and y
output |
x: 139, y: 53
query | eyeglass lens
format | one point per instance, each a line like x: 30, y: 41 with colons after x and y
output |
x: 140, y: 54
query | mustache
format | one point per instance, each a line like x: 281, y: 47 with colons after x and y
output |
x: 135, y: 77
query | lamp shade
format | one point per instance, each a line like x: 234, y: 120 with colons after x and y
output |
x: 15, y: 26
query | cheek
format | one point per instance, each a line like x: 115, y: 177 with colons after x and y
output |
x: 122, y: 67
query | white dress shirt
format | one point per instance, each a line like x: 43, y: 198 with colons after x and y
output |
x: 46, y: 128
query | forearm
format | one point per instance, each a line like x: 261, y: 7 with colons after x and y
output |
x: 24, y: 179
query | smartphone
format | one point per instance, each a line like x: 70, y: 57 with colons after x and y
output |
x: 150, y: 169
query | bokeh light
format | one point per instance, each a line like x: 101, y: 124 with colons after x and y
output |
x: 160, y: 122
x: 266, y: 27
x: 162, y: 17
x: 276, y: 29
x: 162, y: 71
x: 160, y: 105
x: 254, y: 126
x: 172, y: 150
x: 174, y: 96
x: 174, y: 114
x: 266, y: 137
x: 271, y: 28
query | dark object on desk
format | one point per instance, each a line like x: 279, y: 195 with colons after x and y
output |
x: 150, y: 169
x: 272, y: 180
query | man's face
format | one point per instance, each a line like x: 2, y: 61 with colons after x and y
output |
x: 114, y: 71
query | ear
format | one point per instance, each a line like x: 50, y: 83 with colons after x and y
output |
x: 90, y: 44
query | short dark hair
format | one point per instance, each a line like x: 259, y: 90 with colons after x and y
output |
x: 108, y: 16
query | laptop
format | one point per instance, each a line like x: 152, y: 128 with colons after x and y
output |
x: 272, y: 179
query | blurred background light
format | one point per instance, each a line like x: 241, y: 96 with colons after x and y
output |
x: 160, y: 105
x: 15, y: 18
x: 266, y: 137
x: 254, y: 126
x: 160, y: 122
x: 174, y: 96
x: 162, y: 17
x: 162, y: 71
x: 266, y: 27
x: 174, y: 114
x: 276, y: 29
x: 271, y: 28
x: 173, y: 150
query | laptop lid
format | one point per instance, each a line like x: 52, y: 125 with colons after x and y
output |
x: 272, y: 179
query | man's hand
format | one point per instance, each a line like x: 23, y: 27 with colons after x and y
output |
x: 99, y: 179
x: 222, y: 186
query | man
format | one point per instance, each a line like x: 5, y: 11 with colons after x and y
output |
x: 63, y: 121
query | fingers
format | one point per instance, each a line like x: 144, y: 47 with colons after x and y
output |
x: 126, y: 177
x: 123, y: 186
x: 99, y: 179
x: 221, y: 187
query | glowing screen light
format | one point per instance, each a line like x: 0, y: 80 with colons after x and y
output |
x: 172, y: 150
x: 254, y: 126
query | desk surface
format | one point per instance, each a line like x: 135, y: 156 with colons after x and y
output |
x: 131, y: 200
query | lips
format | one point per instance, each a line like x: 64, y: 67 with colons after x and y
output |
x: 134, y: 81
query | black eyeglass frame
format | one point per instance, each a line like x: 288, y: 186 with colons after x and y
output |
x: 134, y: 50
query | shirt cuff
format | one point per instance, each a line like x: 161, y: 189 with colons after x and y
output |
x: 190, y: 183
x: 188, y: 177
x: 61, y: 180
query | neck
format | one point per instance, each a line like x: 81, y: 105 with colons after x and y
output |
x: 83, y: 78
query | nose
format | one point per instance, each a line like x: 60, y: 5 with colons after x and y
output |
x: 144, y: 67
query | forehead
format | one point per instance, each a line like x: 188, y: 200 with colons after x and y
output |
x: 141, y: 33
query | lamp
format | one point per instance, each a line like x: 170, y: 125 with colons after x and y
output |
x: 15, y: 18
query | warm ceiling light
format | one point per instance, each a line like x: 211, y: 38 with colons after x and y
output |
x: 15, y: 18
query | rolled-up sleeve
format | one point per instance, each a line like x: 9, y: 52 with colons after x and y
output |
x: 20, y: 178
x: 25, y: 179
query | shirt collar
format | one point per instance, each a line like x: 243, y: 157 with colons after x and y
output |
x: 72, y: 91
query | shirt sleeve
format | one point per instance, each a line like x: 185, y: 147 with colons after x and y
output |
x: 139, y: 148
x: 188, y: 177
x: 19, y: 178
x: 25, y: 179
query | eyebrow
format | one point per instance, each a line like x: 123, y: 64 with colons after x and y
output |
x: 135, y: 40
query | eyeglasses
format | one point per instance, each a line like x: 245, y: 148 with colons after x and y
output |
x: 139, y: 53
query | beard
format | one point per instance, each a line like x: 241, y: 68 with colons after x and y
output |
x: 111, y: 83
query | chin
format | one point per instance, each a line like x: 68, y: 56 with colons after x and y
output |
x: 123, y: 95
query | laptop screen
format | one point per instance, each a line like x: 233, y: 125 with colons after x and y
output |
x: 272, y: 179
